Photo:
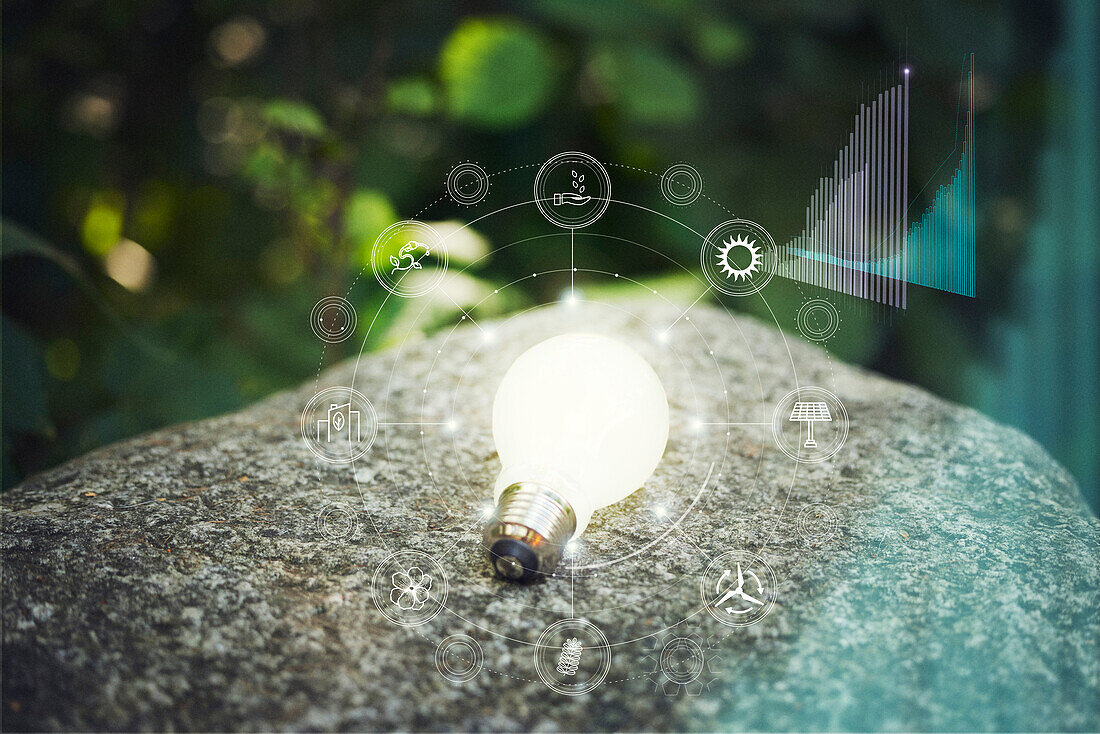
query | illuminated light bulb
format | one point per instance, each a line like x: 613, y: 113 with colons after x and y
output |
x: 580, y: 421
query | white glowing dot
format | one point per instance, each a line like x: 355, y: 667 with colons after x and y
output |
x: 488, y: 335
x: 662, y: 336
x: 131, y: 265
x: 496, y: 291
x: 907, y: 70
x: 712, y: 352
x: 574, y: 270
x: 659, y: 511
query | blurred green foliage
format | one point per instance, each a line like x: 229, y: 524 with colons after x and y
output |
x: 184, y: 180
x: 496, y: 73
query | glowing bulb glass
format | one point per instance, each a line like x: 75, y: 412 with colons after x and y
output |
x: 584, y: 415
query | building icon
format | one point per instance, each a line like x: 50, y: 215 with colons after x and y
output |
x: 340, y: 418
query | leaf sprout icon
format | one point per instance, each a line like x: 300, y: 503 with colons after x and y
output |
x: 410, y: 589
x: 406, y: 253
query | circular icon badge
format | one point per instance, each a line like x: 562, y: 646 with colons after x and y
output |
x: 738, y: 257
x: 681, y: 184
x: 459, y: 658
x: 572, y: 657
x: 818, y: 319
x: 682, y: 660
x: 810, y: 424
x: 409, y: 259
x: 339, y: 424
x: 572, y: 190
x: 817, y: 522
x: 332, y: 319
x: 337, y: 521
x: 467, y: 183
x: 409, y: 588
x: 682, y: 665
x: 738, y: 588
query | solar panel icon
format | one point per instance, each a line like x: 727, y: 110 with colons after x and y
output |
x: 810, y: 413
x: 808, y: 404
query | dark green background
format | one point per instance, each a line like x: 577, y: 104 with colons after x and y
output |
x: 255, y: 150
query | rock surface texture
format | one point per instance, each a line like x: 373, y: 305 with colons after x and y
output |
x: 186, y: 579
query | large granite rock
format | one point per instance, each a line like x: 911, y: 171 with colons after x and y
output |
x: 184, y: 579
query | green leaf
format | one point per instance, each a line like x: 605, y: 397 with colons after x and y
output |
x: 720, y: 44
x: 18, y: 241
x: 295, y: 117
x: 366, y: 214
x: 102, y: 226
x: 647, y: 86
x: 622, y: 19
x: 496, y: 73
x: 154, y: 212
x: 24, y: 386
x: 415, y: 97
x: 15, y: 240
x: 266, y: 164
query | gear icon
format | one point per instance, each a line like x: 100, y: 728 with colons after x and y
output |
x: 681, y: 665
x: 729, y: 268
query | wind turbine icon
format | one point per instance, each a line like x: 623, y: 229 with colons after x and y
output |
x: 739, y: 591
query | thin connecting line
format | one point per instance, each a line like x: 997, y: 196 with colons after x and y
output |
x: 675, y: 525
x: 413, y: 423
x: 572, y: 264
x: 462, y: 536
x: 464, y: 312
x: 733, y: 424
x: 572, y: 608
x: 685, y: 313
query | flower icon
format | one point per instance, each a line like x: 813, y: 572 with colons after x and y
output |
x: 410, y: 589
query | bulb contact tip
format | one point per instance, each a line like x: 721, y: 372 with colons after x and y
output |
x: 527, y: 533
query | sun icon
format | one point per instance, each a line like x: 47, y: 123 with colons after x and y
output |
x: 729, y: 268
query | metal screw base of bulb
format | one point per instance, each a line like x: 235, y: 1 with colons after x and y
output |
x: 528, y: 531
